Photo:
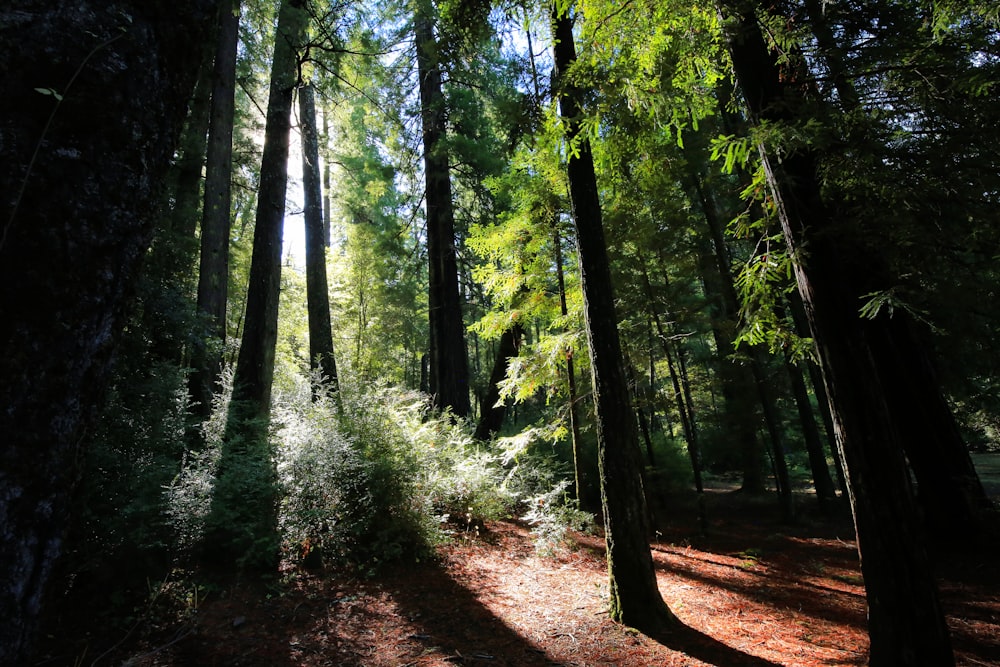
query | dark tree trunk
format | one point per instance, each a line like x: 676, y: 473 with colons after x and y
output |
x: 906, y: 623
x: 493, y: 410
x: 949, y: 490
x: 79, y: 180
x: 741, y: 417
x: 822, y: 482
x: 317, y: 289
x: 449, y: 371
x: 213, y: 273
x: 255, y: 364
x: 775, y: 433
x: 241, y: 531
x: 634, y: 597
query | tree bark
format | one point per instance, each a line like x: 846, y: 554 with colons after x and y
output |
x: 634, y: 597
x: 213, y: 273
x: 241, y: 529
x: 80, y: 176
x: 321, y: 355
x: 255, y: 364
x: 449, y: 366
x: 906, y: 623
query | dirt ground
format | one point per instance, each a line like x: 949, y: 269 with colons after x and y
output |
x: 752, y: 592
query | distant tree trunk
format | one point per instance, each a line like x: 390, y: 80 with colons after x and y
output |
x: 191, y: 154
x: 740, y: 416
x: 826, y: 496
x: 493, y: 411
x: 449, y: 372
x: 775, y: 432
x: 574, y: 414
x: 906, y: 623
x: 317, y: 289
x: 816, y: 380
x: 240, y: 531
x: 640, y: 412
x: 75, y: 221
x: 213, y: 274
x: 634, y: 597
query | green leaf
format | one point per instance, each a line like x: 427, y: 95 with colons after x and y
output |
x: 49, y: 91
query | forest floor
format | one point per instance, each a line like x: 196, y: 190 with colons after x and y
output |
x: 750, y: 592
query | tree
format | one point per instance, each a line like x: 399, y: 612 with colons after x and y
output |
x: 240, y: 530
x: 95, y: 94
x: 634, y: 597
x: 255, y: 365
x: 906, y: 623
x: 449, y: 373
x: 213, y: 273
x: 317, y: 289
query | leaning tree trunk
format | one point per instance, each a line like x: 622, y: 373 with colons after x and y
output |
x: 317, y: 289
x: 634, y: 597
x: 449, y: 366
x: 213, y: 273
x: 94, y: 94
x: 906, y: 623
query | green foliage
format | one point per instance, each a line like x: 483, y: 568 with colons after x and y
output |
x: 374, y: 484
x: 552, y: 514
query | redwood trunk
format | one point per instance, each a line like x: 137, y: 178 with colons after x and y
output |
x: 75, y: 221
x: 906, y: 623
x: 449, y: 366
x: 634, y: 597
x: 317, y: 289
x: 213, y: 273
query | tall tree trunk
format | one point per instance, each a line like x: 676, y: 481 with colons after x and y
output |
x: 449, y: 371
x: 321, y: 355
x: 255, y: 364
x: 327, y: 209
x: 634, y: 597
x: 79, y: 180
x: 241, y: 528
x: 906, y: 623
x: 213, y: 274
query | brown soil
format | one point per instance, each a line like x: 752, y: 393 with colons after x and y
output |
x: 752, y: 592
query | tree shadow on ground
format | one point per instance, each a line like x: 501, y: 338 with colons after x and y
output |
x: 696, y: 644
x: 435, y: 620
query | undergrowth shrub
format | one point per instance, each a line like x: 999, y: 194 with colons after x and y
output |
x: 376, y: 476
x: 351, y: 482
x: 552, y: 514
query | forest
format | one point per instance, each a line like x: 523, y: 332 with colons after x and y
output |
x: 430, y: 332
